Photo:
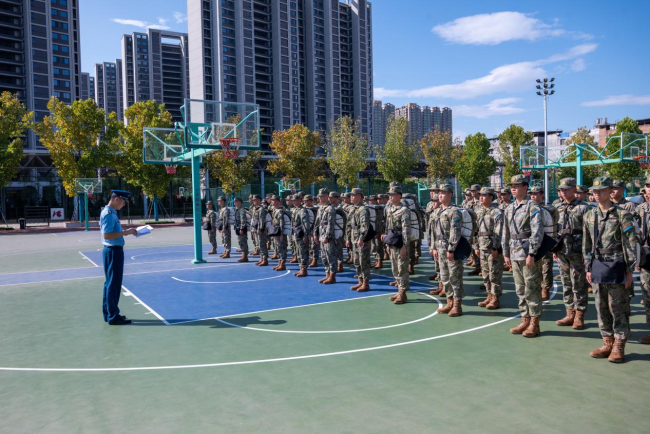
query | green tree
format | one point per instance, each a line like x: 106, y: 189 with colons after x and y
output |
x: 233, y: 173
x: 296, y: 150
x: 14, y: 121
x: 152, y: 178
x: 440, y: 154
x: 581, y: 136
x: 72, y: 134
x: 396, y: 158
x: 347, y: 150
x: 510, y: 141
x: 475, y: 165
x: 625, y: 171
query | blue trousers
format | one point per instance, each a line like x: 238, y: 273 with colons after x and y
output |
x: 114, y: 270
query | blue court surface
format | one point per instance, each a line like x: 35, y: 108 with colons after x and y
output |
x: 164, y: 281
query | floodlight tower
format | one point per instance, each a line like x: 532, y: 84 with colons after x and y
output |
x: 545, y: 88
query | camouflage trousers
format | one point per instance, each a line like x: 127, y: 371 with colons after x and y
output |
x: 302, y: 251
x: 329, y: 252
x: 413, y: 247
x: 574, y: 282
x: 362, y: 260
x: 225, y: 239
x: 262, y: 239
x: 280, y: 246
x: 451, y: 275
x: 314, y: 249
x: 242, y: 240
x: 645, y: 287
x: 292, y: 245
x: 547, y: 271
x: 492, y: 272
x: 399, y: 267
x: 377, y: 250
x: 611, y: 306
x: 418, y: 248
x: 254, y: 238
x: 213, y: 238
x: 340, y: 244
x: 528, y: 287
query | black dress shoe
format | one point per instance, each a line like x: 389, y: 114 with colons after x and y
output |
x: 121, y: 316
x: 120, y: 320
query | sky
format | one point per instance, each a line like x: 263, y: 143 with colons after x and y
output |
x: 481, y: 58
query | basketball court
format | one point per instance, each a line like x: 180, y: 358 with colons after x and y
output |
x: 230, y: 347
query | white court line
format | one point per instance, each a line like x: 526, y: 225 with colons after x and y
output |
x: 435, y: 312
x: 153, y: 312
x: 90, y: 260
x: 234, y: 281
x: 280, y: 359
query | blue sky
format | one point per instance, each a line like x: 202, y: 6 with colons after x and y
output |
x: 480, y: 58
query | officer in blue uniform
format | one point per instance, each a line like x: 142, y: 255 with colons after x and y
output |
x: 113, y: 255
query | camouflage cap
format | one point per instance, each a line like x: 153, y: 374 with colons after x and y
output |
x: 536, y: 189
x: 467, y: 191
x: 618, y: 183
x: 383, y: 196
x: 518, y: 179
x: 238, y: 199
x: 582, y: 189
x: 372, y: 197
x: 209, y: 202
x: 356, y: 191
x: 290, y: 197
x: 433, y: 186
x: 221, y: 198
x: 323, y: 192
x: 275, y: 197
x: 475, y: 187
x: 334, y: 194
x: 602, y: 182
x: 567, y: 183
x: 309, y: 197
x: 395, y: 184
x: 257, y: 196
x: 446, y: 187
x: 395, y: 190
x: 505, y: 191
x: 345, y: 195
x: 435, y: 198
x: 297, y: 197
x: 488, y: 190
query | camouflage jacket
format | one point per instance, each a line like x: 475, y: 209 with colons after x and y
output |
x: 224, y: 218
x: 241, y: 220
x: 398, y: 219
x: 211, y: 216
x: 431, y: 227
x: 616, y: 237
x: 490, y: 226
x: 300, y: 218
x: 522, y: 221
x: 318, y: 213
x: 447, y: 228
x: 570, y: 223
x: 258, y: 218
x: 643, y: 218
x: 327, y: 222
x: 359, y: 220
x: 428, y: 211
x: 626, y: 205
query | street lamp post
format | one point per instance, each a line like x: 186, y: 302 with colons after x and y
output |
x: 545, y: 89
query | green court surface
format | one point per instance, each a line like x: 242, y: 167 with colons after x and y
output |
x: 353, y: 366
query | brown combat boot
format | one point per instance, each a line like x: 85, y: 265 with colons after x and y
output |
x: 365, y: 287
x: 281, y: 266
x: 457, y: 310
x: 313, y: 263
x: 379, y: 264
x: 226, y: 255
x: 327, y: 276
x: 475, y: 272
x: 331, y: 280
x: 256, y: 252
x: 350, y: 260
x: 358, y: 285
x: 293, y: 260
x: 386, y: 257
x: 302, y: 272
x: 393, y: 283
x: 244, y: 258
x: 411, y: 269
x: 590, y: 290
x: 395, y: 296
x: 618, y: 351
x: 442, y: 290
x: 223, y: 254
x: 645, y: 340
x: 340, y: 268
x: 579, y: 320
x: 275, y: 256
x: 568, y: 319
x: 533, y: 328
x: 545, y: 293
x: 448, y: 307
x: 494, y: 304
x: 264, y: 263
x: 212, y: 252
x: 523, y: 325
x: 435, y: 292
x: 470, y: 263
x: 485, y: 302
x: 238, y: 250
x: 400, y: 297
x: 605, y: 350
x: 434, y: 276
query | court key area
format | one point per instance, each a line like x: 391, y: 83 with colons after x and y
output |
x: 231, y: 347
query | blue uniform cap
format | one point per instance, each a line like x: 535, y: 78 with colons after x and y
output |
x: 123, y: 194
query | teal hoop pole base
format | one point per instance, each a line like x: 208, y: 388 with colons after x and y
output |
x: 86, y: 210
x: 196, y: 209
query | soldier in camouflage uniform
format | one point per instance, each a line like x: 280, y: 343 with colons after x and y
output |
x: 490, y: 226
x: 331, y: 234
x: 617, y: 195
x: 428, y: 216
x: 571, y: 212
x: 378, y: 246
x: 609, y: 235
x: 256, y: 248
x: 468, y: 198
x: 537, y: 194
x: 211, y: 216
x: 259, y: 223
x: 505, y: 198
x: 290, y: 209
x: 583, y: 192
x: 398, y: 222
x: 323, y: 203
x: 346, y: 205
x: 313, y: 242
x: 223, y: 226
x: 335, y: 199
x: 301, y: 224
x: 359, y: 228
x: 241, y: 229
x: 643, y: 216
x: 523, y: 225
x: 383, y: 201
x: 279, y: 220
x: 474, y: 206
x: 446, y: 238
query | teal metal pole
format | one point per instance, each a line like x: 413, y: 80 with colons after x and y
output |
x: 579, y: 165
x: 86, y: 210
x: 155, y: 208
x: 196, y: 214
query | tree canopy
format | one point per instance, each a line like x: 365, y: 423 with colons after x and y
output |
x: 14, y: 122
x: 396, y: 158
x: 475, y: 165
x: 347, y: 150
x: 510, y: 141
x: 627, y: 170
x: 297, y: 158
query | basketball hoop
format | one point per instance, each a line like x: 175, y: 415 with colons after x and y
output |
x: 227, y: 145
x: 525, y: 173
x: 171, y: 169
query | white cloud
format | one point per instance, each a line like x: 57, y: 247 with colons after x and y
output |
x: 578, y: 65
x: 162, y: 21
x: 497, y: 107
x: 619, y: 100
x: 495, y: 28
x: 180, y: 17
x: 512, y: 78
x: 142, y: 24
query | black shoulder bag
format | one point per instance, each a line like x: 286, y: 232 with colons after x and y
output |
x: 547, y: 243
x: 646, y: 250
x: 612, y: 272
x: 207, y: 226
x: 394, y: 238
x: 463, y: 248
x: 371, y: 232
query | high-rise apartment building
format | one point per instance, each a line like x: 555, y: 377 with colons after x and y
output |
x: 421, y: 120
x: 303, y: 62
x: 85, y: 86
x: 91, y: 88
x: 413, y: 114
x: 378, y: 128
x: 39, y: 58
x: 108, y: 87
x: 155, y: 67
